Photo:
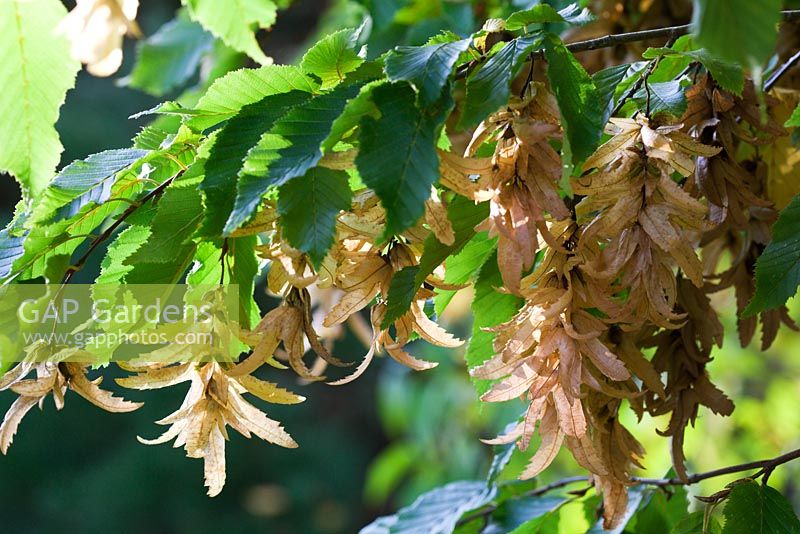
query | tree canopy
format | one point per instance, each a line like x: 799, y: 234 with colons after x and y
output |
x: 596, y: 184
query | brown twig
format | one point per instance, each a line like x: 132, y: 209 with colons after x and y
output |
x: 108, y: 232
x: 783, y: 69
x: 651, y: 67
x: 223, y: 253
x: 621, y: 38
x: 765, y: 469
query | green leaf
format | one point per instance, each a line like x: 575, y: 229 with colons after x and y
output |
x: 728, y: 75
x: 545, y: 14
x: 578, y: 99
x: 35, y: 74
x: 242, y: 267
x: 546, y: 523
x: 178, y: 214
x: 397, y: 157
x: 694, y: 523
x: 576, y: 14
x: 227, y: 154
x: 237, y: 89
x: 207, y: 268
x: 427, y: 68
x: 333, y: 57
x: 11, y: 248
x: 662, y: 511
x: 402, y: 289
x: 778, y: 267
x: 113, y: 268
x: 606, y: 82
x: 159, y: 272
x: 82, y: 182
x: 464, y: 215
x: 666, y: 97
x: 305, y: 128
x: 753, y: 508
x: 464, y: 266
x: 502, y: 455
x: 299, y: 135
x: 168, y: 58
x: 62, y: 237
x: 435, y: 512
x: 387, y: 471
x: 489, y: 308
x: 488, y: 89
x: 538, y: 14
x: 308, y: 207
x: 741, y: 31
x: 235, y: 22
x: 150, y: 138
x: 794, y: 120
x: 351, y: 116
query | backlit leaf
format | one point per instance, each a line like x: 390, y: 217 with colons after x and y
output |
x: 35, y: 73
x: 82, y: 182
x: 332, y: 57
x: 170, y: 57
x: 778, y: 267
x: 235, y: 22
x: 741, y: 31
x: 753, y: 508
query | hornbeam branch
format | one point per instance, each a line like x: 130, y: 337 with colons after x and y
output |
x: 643, y: 35
x: 622, y: 38
x: 765, y: 468
x: 781, y: 71
x: 108, y: 232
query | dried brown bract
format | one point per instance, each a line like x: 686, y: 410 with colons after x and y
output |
x: 523, y: 187
x: 214, y: 402
x: 53, y: 376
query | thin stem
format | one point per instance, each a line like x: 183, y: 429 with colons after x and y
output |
x: 672, y: 32
x: 222, y: 255
x: 648, y: 70
x: 108, y: 232
x: 765, y: 467
x: 489, y: 509
x: 621, y: 38
x: 781, y: 71
x: 529, y: 78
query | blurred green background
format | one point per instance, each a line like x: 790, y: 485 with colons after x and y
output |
x: 366, y: 448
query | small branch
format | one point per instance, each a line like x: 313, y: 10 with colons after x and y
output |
x: 529, y: 78
x: 671, y: 32
x: 648, y: 70
x: 783, y: 69
x: 556, y: 485
x: 765, y: 467
x: 489, y: 509
x: 222, y: 255
x: 108, y: 232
